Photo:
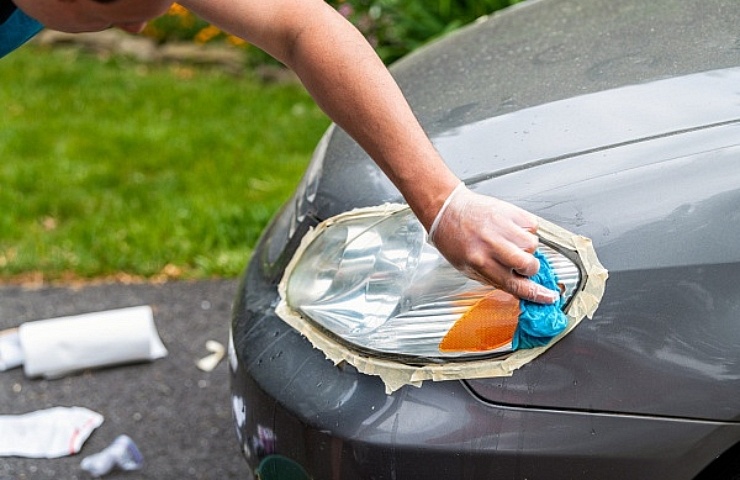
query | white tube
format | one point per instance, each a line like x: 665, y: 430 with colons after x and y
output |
x: 56, y: 347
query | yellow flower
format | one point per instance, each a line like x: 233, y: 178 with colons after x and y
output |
x: 178, y: 10
x: 236, y: 41
x: 206, y: 34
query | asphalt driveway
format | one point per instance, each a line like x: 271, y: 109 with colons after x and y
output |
x: 178, y: 415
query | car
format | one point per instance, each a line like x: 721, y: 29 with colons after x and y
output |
x: 616, y: 121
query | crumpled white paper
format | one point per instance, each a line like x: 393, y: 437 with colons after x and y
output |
x: 55, y: 347
x: 50, y: 433
x: 210, y: 362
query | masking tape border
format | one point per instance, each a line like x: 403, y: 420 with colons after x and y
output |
x: 396, y: 374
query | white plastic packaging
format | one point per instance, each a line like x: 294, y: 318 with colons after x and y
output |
x: 122, y: 454
x: 55, y: 347
x: 11, y: 352
x: 50, y: 433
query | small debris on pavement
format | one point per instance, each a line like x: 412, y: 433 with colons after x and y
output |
x: 122, y: 454
x: 210, y: 362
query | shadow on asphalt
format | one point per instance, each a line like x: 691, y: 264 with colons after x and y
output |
x: 178, y: 415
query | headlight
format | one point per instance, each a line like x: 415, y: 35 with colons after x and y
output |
x: 372, y: 282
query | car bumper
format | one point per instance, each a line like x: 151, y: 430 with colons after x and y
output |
x: 299, y: 416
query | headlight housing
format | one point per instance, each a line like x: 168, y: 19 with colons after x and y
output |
x: 372, y: 282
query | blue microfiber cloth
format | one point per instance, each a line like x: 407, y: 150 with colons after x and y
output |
x: 538, y: 323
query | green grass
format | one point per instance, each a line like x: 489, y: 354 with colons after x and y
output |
x: 111, y: 167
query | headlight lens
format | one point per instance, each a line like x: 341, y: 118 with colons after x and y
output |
x: 373, y: 282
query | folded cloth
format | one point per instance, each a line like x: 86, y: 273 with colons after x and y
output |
x: 50, y: 433
x: 538, y: 323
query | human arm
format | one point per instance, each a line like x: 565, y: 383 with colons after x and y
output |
x: 484, y: 237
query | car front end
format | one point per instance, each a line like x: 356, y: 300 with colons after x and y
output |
x: 620, y: 122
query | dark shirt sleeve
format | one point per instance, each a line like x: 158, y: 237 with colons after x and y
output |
x: 16, y: 28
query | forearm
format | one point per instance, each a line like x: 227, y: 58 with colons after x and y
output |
x: 362, y: 97
x: 490, y: 240
x: 351, y: 84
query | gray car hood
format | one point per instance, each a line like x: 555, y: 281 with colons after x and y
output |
x: 661, y: 200
x: 650, y: 173
x: 640, y: 153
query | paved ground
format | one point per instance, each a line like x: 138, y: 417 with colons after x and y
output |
x: 179, y: 416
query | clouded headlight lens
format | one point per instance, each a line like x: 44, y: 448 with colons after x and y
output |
x: 372, y: 281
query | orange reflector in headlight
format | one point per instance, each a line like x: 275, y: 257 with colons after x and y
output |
x: 489, y: 324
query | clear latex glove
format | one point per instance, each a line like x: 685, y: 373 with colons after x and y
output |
x: 491, y: 241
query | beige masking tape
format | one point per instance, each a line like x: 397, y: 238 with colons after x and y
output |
x: 396, y: 374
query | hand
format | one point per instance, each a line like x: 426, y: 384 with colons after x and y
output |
x: 491, y: 241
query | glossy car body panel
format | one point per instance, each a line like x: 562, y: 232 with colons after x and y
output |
x: 616, y: 120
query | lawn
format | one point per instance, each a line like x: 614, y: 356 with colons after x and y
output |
x: 111, y: 167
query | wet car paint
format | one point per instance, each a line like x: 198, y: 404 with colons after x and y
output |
x: 340, y: 424
x: 624, y: 129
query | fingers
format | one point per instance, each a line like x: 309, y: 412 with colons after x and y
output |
x: 519, y: 252
x: 491, y: 241
x: 525, y: 264
x: 528, y: 290
x: 507, y: 279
